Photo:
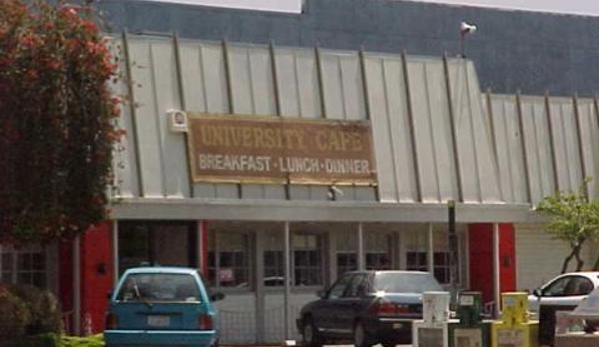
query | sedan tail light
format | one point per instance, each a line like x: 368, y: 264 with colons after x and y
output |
x: 384, y: 308
x: 205, y: 322
x: 111, y: 321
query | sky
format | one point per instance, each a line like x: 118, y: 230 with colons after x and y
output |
x: 587, y: 7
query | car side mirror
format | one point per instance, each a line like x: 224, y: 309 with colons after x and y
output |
x: 217, y: 296
x: 537, y: 293
x: 321, y: 293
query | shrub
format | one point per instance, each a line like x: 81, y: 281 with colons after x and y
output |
x: 89, y: 341
x: 15, y: 315
x: 44, y: 309
x: 40, y: 340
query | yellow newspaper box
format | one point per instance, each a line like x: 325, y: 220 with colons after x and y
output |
x: 515, y: 329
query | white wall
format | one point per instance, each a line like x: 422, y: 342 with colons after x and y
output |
x: 539, y: 257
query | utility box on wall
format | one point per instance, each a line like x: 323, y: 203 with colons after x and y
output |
x: 514, y: 329
x: 431, y: 331
x: 471, y: 330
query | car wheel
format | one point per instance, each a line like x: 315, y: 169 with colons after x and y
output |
x: 361, y: 338
x: 310, y: 335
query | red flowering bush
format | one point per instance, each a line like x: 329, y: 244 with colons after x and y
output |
x: 57, y: 118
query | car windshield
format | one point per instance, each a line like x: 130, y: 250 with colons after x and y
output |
x: 401, y: 282
x: 159, y: 287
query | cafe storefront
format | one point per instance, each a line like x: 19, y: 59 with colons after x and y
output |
x: 273, y: 170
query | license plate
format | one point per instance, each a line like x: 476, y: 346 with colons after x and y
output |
x: 159, y: 321
x: 397, y: 325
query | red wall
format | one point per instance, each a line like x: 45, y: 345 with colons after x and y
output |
x: 480, y: 240
x: 65, y: 281
x: 97, y: 271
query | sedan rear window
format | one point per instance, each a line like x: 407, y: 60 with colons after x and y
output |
x: 405, y: 283
x: 159, y: 287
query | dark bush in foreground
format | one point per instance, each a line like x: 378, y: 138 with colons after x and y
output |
x: 28, y: 311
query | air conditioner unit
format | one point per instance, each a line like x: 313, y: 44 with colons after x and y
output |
x: 178, y: 121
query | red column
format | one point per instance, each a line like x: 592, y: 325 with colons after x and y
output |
x: 480, y: 241
x: 97, y: 273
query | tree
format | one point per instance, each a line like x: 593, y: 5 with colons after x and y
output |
x: 57, y: 113
x: 574, y: 219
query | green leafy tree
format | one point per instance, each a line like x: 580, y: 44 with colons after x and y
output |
x: 57, y: 113
x: 573, y: 219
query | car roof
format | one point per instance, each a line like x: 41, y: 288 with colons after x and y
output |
x: 161, y: 269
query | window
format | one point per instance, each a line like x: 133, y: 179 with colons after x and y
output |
x: 229, y: 259
x: 378, y: 261
x: 357, y: 287
x: 159, y: 287
x: 346, y: 262
x: 442, y: 269
x: 162, y: 243
x: 339, y: 288
x: 307, y: 268
x: 25, y: 266
x: 274, y: 268
x: 418, y: 261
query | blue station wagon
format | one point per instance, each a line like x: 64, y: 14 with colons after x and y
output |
x: 162, y: 306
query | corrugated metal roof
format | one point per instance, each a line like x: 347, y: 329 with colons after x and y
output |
x: 436, y: 135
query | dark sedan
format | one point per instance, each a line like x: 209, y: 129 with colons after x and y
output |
x: 366, y: 307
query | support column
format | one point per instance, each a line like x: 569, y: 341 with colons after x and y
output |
x: 115, y: 251
x: 77, y: 285
x: 287, y: 296
x: 431, y: 250
x: 361, y: 259
x: 496, y: 273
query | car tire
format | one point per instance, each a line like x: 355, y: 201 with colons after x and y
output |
x: 388, y: 344
x: 310, y: 335
x: 361, y: 338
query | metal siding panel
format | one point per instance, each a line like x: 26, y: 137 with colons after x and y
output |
x: 559, y: 146
x: 590, y: 143
x: 125, y: 160
x: 364, y: 194
x: 252, y: 191
x: 252, y: 88
x: 486, y: 159
x: 290, y: 95
x: 287, y: 82
x: 332, y: 86
x: 574, y: 165
x: 148, y: 133
x: 462, y: 113
x: 377, y: 101
x: 263, y: 90
x: 398, y: 128
x: 176, y: 173
x: 192, y: 77
x: 422, y: 131
x: 353, y: 88
x: 441, y: 130
x: 306, y: 71
x: 531, y: 148
x: 240, y: 73
x: 546, y: 168
x: 510, y: 152
x: 217, y: 101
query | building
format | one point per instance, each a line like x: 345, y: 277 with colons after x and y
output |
x: 434, y: 134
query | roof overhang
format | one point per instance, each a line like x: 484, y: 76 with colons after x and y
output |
x: 319, y: 211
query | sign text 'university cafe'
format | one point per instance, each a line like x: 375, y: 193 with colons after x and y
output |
x: 260, y: 149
